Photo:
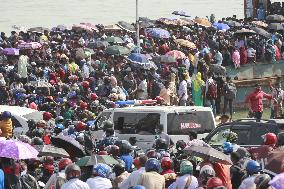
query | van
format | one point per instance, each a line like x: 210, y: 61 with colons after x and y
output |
x: 141, y: 121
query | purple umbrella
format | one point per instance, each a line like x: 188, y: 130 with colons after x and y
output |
x: 17, y: 150
x: 158, y: 33
x: 11, y: 51
x: 277, y: 182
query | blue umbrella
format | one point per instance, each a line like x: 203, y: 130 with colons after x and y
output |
x: 158, y: 33
x: 221, y: 26
x: 138, y: 58
x: 181, y: 13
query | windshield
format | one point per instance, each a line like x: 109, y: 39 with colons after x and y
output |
x: 182, y: 123
x: 136, y: 123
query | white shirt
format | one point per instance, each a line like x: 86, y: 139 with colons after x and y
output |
x: 142, y: 86
x: 251, y: 52
x: 86, y: 71
x: 132, y: 180
x: 52, y: 180
x: 99, y: 183
x: 248, y: 183
x: 196, y: 59
x: 186, y: 63
x: 181, y: 182
x: 22, y: 66
x: 219, y: 58
x: 75, y: 184
x: 183, y: 90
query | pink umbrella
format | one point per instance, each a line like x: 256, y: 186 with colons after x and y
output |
x: 177, y: 54
x: 17, y: 150
x: 30, y: 45
x: 85, y: 26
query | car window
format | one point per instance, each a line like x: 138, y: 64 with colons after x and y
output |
x: 243, y: 135
x: 262, y: 130
x: 218, y: 138
x: 136, y: 123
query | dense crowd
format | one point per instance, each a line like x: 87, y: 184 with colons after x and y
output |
x: 74, y: 74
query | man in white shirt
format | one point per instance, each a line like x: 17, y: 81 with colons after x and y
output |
x: 100, y: 181
x: 182, y: 91
x: 73, y: 173
x: 132, y: 180
x: 142, y: 89
x: 251, y: 55
x: 23, y: 66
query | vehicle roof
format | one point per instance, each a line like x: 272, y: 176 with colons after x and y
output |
x: 160, y: 108
x: 17, y: 110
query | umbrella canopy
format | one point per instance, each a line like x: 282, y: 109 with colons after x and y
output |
x: 112, y: 28
x: 60, y: 28
x: 113, y: 39
x: 176, y: 22
x: 234, y: 24
x: 177, y: 54
x: 245, y: 31
x: 157, y: 33
x: 49, y: 150
x: 221, y: 26
x: 272, y: 163
x: 209, y: 154
x: 202, y: 22
x: 38, y: 29
x: 185, y: 43
x: 277, y: 182
x: 85, y: 27
x: 145, y: 22
x: 180, y: 13
x: 11, y: 51
x: 164, y: 59
x: 117, y: 50
x: 276, y: 26
x: 98, y: 44
x: 259, y: 24
x: 126, y: 26
x: 275, y: 18
x: 30, y: 45
x: 17, y: 150
x: 95, y: 159
x: 72, y: 147
x: 138, y: 58
x: 262, y: 32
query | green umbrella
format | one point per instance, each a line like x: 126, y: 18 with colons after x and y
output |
x: 114, y: 40
x: 117, y: 50
x: 95, y: 159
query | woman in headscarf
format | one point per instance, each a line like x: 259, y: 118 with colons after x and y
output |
x: 197, y: 86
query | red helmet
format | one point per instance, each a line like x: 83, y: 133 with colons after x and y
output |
x: 81, y: 126
x: 83, y: 105
x: 94, y: 96
x: 46, y: 116
x: 270, y: 139
x: 103, y: 153
x: 214, y: 182
x: 48, y: 167
x: 166, y: 163
x: 137, y: 162
x: 63, y: 163
x: 85, y: 84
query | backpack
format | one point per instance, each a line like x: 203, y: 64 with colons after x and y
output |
x: 212, y: 91
x: 230, y: 91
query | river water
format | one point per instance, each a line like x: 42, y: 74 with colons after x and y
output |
x: 31, y: 13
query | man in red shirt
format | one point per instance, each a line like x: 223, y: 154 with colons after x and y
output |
x: 255, y: 100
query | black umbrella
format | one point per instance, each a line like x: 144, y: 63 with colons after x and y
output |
x: 234, y: 24
x: 245, y: 31
x: 262, y: 32
x: 276, y: 26
x: 71, y: 146
x: 126, y: 26
x: 98, y: 44
x: 275, y: 18
x: 49, y: 150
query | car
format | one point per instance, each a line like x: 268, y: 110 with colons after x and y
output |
x: 249, y: 132
x: 140, y: 122
x: 20, y: 116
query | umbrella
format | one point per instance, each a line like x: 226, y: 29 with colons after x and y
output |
x: 262, y: 32
x: 276, y: 26
x: 244, y: 31
x: 208, y: 153
x: 275, y: 18
x: 59, y: 28
x: 38, y: 29
x: 157, y: 33
x: 145, y: 22
x: 117, y: 50
x: 221, y: 26
x: 164, y: 59
x: 138, y: 58
x: 177, y: 54
x: 17, y: 150
x: 72, y: 147
x: 277, y: 182
x: 202, y: 22
x: 126, y: 26
x: 181, y: 13
x: 113, y: 39
x: 95, y: 159
x: 217, y: 69
x: 98, y: 44
x: 185, y: 43
x: 189, y: 21
x: 234, y: 24
x: 273, y: 161
x: 11, y: 51
x: 84, y: 27
x: 30, y: 45
x: 49, y: 150
x: 259, y: 24
x: 112, y: 28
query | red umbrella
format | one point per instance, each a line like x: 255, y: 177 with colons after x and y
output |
x: 177, y: 54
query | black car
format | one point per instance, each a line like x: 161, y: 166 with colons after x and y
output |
x: 249, y: 131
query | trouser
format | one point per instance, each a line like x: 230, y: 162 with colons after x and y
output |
x: 211, y: 103
x: 182, y: 103
x: 230, y: 102
x: 257, y: 116
x: 218, y: 105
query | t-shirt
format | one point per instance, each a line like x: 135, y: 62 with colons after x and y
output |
x: 128, y: 160
x: 142, y: 86
x: 183, y: 90
x: 99, y: 183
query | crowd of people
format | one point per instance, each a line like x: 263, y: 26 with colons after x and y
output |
x: 74, y: 74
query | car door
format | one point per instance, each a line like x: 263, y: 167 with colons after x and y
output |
x: 216, y: 137
x: 244, y: 133
x: 260, y: 129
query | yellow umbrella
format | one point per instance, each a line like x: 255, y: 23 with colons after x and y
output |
x: 185, y: 43
x: 202, y: 22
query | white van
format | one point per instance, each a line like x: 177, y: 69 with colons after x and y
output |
x: 141, y: 121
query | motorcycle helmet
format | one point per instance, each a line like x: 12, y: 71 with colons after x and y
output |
x: 152, y: 164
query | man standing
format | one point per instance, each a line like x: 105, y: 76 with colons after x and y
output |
x: 182, y: 91
x: 230, y: 92
x: 211, y: 93
x: 255, y: 101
